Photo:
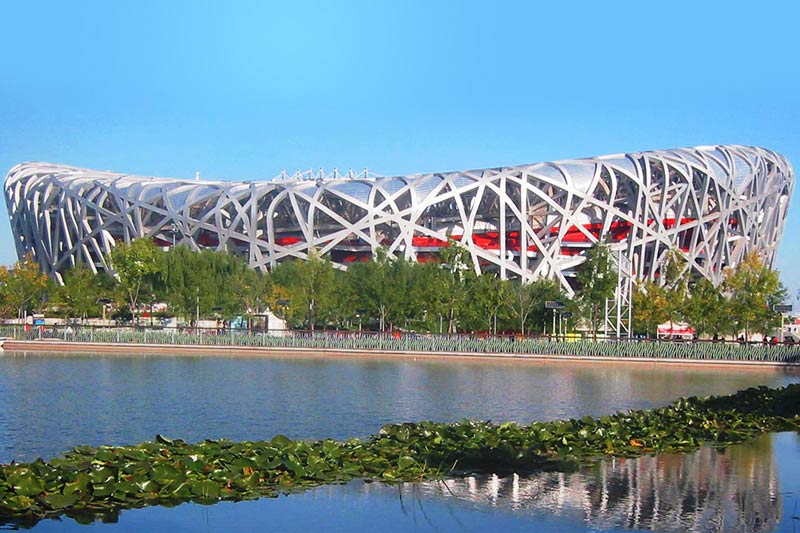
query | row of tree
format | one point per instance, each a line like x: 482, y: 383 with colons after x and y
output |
x: 388, y: 293
x: 743, y: 304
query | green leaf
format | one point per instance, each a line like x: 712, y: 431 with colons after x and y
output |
x: 162, y: 473
x: 106, y: 454
x: 102, y: 490
x: 251, y: 481
x: 148, y: 486
x: 295, y: 466
x: 405, y: 462
x: 102, y: 474
x: 134, y: 454
x: 161, y: 439
x: 180, y: 490
x: 18, y: 503
x: 27, y: 484
x: 126, y: 487
x: 268, y: 463
x: 204, y: 488
x: 239, y: 464
x: 281, y: 441
x: 79, y: 485
x: 84, y: 450
x: 59, y: 501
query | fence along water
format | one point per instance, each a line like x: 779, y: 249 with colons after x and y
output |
x: 456, y: 344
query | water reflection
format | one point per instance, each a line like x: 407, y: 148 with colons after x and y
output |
x: 751, y: 487
x: 710, y: 490
x: 49, y: 404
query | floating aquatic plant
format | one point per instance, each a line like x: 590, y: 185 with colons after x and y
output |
x: 88, y: 483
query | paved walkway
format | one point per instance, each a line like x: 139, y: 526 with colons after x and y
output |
x: 57, y: 346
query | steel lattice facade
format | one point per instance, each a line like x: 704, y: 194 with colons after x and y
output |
x: 714, y: 203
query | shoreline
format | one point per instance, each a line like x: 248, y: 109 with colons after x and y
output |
x: 66, y: 347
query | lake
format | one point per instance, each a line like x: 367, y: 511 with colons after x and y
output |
x: 50, y: 403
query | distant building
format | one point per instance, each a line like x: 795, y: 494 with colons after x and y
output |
x: 792, y: 328
x: 714, y: 203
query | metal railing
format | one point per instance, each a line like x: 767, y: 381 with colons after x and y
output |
x: 410, y: 342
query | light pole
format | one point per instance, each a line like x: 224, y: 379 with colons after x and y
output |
x: 105, y: 302
x: 174, y: 230
x: 359, y: 314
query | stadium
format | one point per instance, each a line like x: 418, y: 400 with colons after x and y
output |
x: 714, y: 203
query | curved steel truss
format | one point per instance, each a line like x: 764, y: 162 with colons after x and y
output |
x: 713, y: 203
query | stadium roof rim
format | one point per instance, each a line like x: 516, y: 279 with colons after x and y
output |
x: 335, y: 175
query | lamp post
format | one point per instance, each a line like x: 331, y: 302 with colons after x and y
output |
x: 105, y: 302
x: 359, y: 314
x: 174, y: 230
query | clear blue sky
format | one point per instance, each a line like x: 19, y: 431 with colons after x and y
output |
x: 241, y: 92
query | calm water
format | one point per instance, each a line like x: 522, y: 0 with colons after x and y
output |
x: 752, y: 487
x: 50, y: 403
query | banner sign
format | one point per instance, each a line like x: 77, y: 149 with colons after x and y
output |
x: 676, y: 329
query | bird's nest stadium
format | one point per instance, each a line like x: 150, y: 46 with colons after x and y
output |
x: 713, y: 203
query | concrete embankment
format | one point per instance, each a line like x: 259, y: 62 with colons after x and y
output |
x: 64, y: 347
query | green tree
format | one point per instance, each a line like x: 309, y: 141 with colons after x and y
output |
x: 456, y: 274
x: 311, y: 286
x: 279, y: 300
x: 180, y: 281
x: 521, y: 303
x: 675, y: 280
x: 235, y: 289
x: 706, y: 309
x: 209, y: 282
x: 429, y: 302
x: 82, y: 290
x: 344, y: 301
x: 752, y: 290
x: 527, y: 303
x: 249, y: 292
x: 381, y: 286
x: 597, y: 278
x: 649, y: 307
x: 24, y: 288
x: 546, y: 289
x: 135, y: 264
x: 490, y: 297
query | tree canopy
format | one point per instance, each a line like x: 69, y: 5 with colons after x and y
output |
x: 741, y: 305
x: 23, y: 288
x: 389, y: 291
x: 135, y: 263
x: 753, y: 289
x: 597, y: 278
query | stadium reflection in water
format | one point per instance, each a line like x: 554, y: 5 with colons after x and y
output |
x: 710, y: 490
x: 750, y: 487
